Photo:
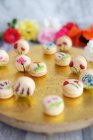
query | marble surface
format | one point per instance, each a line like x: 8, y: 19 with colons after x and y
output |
x: 78, y: 11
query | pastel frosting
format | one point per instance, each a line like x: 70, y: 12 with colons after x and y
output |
x: 5, y: 89
x: 38, y: 67
x: 4, y: 58
x: 53, y: 105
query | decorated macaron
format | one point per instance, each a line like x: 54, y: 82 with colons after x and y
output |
x: 64, y: 43
x: 72, y: 88
x: 22, y: 46
x: 62, y: 59
x: 38, y: 69
x: 78, y: 64
x: 22, y: 63
x: 4, y: 58
x: 87, y: 78
x: 24, y: 86
x: 53, y: 105
x: 49, y: 48
x: 6, y: 90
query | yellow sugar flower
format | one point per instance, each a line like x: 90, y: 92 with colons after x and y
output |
x: 28, y: 29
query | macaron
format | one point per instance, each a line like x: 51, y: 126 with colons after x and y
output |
x: 62, y: 59
x: 64, y: 43
x: 24, y: 86
x: 49, y: 48
x: 78, y: 64
x: 6, y: 90
x: 22, y: 63
x: 87, y: 78
x: 53, y: 105
x: 72, y: 88
x: 22, y: 46
x: 4, y: 58
x: 37, y: 69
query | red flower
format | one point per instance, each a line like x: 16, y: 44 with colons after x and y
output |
x: 11, y: 35
x: 69, y: 25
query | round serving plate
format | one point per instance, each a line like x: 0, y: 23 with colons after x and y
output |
x: 27, y: 113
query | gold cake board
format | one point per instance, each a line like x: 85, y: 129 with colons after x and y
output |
x: 27, y: 113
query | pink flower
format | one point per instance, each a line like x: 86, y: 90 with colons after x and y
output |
x: 61, y: 32
x: 21, y: 60
x: 46, y: 35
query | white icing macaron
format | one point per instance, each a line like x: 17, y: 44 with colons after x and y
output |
x: 37, y: 69
x: 24, y: 86
x: 62, y: 59
x: 5, y: 89
x: 64, y: 43
x: 53, y: 105
x: 22, y: 62
x: 22, y: 46
x: 49, y: 48
x: 4, y: 58
x: 78, y: 64
x: 72, y: 88
x: 87, y: 78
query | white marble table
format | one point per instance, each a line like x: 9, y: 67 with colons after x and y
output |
x: 66, y: 10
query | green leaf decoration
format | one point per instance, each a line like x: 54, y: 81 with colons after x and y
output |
x: 57, y: 104
x: 8, y: 87
x: 1, y: 35
x: 14, y: 21
x: 39, y: 68
x: 65, y: 57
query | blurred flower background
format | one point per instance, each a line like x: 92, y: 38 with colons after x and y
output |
x: 42, y: 14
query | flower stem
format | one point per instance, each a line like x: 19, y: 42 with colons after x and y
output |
x: 24, y: 68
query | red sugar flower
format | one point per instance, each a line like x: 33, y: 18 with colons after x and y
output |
x: 76, y: 81
x: 65, y: 83
x: 15, y: 46
x: 23, y: 49
x: 71, y: 64
x: 11, y: 35
x: 81, y: 66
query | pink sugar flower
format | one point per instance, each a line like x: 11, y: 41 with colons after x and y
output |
x: 46, y: 35
x: 61, y: 32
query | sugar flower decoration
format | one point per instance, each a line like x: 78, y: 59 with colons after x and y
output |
x: 46, y: 35
x: 28, y: 28
x: 11, y: 35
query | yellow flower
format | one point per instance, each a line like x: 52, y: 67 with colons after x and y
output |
x: 28, y: 29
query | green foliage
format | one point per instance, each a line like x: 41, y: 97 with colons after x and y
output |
x: 12, y: 23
